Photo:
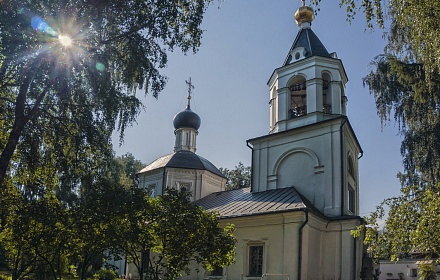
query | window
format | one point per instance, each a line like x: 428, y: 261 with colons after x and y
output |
x: 351, y: 199
x: 179, y: 139
x: 351, y: 166
x: 184, y: 186
x: 188, y: 139
x: 413, y: 272
x: 218, y: 271
x: 298, y: 98
x: 151, y: 189
x: 256, y: 260
x: 326, y: 94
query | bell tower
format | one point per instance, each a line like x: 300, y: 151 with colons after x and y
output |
x: 311, y: 145
x: 310, y: 85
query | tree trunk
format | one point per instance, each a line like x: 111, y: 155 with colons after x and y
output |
x: 20, y: 121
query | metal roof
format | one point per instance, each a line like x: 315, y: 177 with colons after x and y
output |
x: 307, y: 39
x: 243, y: 202
x: 182, y: 159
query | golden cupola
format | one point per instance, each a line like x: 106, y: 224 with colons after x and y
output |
x: 304, y: 14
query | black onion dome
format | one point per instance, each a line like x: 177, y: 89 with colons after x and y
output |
x: 187, y: 119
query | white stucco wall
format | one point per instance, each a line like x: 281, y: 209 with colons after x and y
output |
x: 327, y: 248
x: 309, y: 159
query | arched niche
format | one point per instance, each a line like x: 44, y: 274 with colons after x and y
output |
x: 315, y: 160
x: 299, y: 168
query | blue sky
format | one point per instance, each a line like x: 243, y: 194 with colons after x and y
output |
x: 244, y: 41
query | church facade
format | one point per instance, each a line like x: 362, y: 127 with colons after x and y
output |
x: 295, y: 220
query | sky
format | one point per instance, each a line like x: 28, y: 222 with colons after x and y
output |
x: 243, y: 42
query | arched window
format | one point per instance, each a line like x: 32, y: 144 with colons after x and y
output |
x: 351, y: 167
x: 326, y: 94
x: 273, y: 108
x: 298, y: 97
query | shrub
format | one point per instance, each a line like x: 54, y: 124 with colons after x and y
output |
x: 4, y: 277
x: 105, y: 274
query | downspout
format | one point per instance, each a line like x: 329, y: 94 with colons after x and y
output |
x: 252, y: 163
x: 300, y: 233
x: 342, y: 165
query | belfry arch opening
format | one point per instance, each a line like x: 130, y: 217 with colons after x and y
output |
x: 298, y: 97
x: 326, y: 94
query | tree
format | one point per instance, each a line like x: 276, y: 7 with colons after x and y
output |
x: 96, y: 222
x: 171, y: 232
x: 35, y: 238
x: 405, y: 83
x: 69, y: 72
x: 240, y: 177
x: 427, y: 272
x: 41, y: 235
x: 418, y: 18
x: 101, y: 212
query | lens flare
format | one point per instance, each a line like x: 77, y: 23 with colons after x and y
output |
x: 65, y: 40
x: 99, y: 66
x: 62, y: 39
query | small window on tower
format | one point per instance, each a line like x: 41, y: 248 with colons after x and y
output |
x: 351, y: 199
x: 326, y: 94
x: 188, y: 139
x: 351, y: 167
x: 298, y: 98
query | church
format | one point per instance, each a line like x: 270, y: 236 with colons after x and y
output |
x: 294, y: 221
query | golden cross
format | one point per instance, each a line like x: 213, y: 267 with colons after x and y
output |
x: 190, y: 88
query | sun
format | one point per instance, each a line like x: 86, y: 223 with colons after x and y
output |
x: 65, y: 40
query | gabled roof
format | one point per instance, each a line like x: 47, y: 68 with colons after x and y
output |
x: 243, y: 202
x: 307, y: 39
x: 182, y: 159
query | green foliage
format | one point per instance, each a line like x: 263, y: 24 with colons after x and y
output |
x: 4, y: 277
x: 169, y: 232
x: 35, y: 238
x: 105, y: 274
x: 400, y: 88
x: 41, y: 235
x: 240, y: 177
x: 61, y: 103
x: 427, y: 272
x: 417, y: 22
x: 412, y: 225
x: 405, y: 82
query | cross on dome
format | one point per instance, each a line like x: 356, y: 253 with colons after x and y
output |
x: 190, y: 89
